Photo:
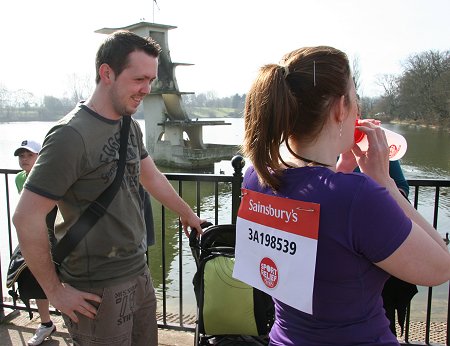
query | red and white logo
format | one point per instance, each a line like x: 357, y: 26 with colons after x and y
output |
x: 269, y: 272
x: 393, y: 150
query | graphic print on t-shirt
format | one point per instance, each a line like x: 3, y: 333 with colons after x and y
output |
x: 110, y: 154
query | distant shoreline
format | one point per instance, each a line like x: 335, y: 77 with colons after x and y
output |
x: 409, y: 122
x: 418, y: 124
x: 232, y: 114
x: 193, y: 112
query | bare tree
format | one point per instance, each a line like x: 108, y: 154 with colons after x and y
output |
x: 389, y: 101
x: 80, y: 86
x: 424, y: 87
x: 3, y: 96
x: 356, y: 73
x: 211, y: 98
x: 24, y: 99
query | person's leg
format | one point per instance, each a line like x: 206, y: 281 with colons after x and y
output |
x: 115, y: 319
x: 47, y: 327
x: 106, y: 328
x: 145, y: 326
x: 43, y: 309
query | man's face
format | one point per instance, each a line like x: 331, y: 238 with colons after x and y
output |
x: 134, y: 83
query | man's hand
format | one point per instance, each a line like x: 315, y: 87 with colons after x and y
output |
x: 192, y: 221
x: 70, y: 301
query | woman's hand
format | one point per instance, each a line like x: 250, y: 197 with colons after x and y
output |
x: 372, y: 121
x: 346, y: 162
x: 375, y: 161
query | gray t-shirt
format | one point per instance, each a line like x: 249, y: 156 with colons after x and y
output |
x: 77, y: 163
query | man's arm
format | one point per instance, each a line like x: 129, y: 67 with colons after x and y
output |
x: 159, y: 187
x: 29, y: 220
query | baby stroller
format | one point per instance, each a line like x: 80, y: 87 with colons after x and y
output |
x: 229, y: 312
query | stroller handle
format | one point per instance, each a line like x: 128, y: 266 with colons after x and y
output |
x: 193, y: 241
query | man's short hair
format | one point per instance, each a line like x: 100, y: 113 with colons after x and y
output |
x: 116, y: 48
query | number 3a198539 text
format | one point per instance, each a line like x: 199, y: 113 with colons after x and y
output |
x: 272, y: 241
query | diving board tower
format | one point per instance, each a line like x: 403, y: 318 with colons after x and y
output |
x: 173, y: 139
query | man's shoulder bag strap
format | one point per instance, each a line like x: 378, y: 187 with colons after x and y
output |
x: 97, y: 208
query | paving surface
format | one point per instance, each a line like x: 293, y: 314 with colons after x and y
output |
x: 18, y: 329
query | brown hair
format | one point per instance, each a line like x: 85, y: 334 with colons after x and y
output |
x: 291, y: 100
x: 116, y: 48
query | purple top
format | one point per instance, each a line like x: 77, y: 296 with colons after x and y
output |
x: 360, y: 224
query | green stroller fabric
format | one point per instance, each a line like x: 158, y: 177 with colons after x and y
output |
x: 226, y: 306
x: 227, y: 303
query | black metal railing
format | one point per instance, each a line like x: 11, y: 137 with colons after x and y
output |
x: 429, y: 333
x: 217, y: 198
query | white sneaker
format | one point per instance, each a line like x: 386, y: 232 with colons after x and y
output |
x: 41, y: 334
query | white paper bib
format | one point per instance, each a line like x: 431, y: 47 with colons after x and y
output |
x: 276, y: 247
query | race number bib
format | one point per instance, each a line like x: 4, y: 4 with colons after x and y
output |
x: 276, y: 247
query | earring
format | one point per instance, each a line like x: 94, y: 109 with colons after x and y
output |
x: 340, y: 129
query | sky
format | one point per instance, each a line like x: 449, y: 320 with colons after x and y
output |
x: 44, y: 43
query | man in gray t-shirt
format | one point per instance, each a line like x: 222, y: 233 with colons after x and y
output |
x: 104, y: 289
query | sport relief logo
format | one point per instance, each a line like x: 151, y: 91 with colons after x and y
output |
x: 393, y: 150
x: 269, y: 272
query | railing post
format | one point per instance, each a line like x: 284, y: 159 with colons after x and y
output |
x: 238, y: 163
x: 2, y: 309
x: 8, y: 215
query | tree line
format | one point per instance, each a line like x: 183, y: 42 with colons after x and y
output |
x: 420, y: 93
x: 22, y: 106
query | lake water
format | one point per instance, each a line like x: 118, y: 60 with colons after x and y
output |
x: 428, y: 157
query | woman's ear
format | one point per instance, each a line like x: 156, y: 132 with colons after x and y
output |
x: 340, y: 109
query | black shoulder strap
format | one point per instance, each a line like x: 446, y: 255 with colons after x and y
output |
x: 97, y: 208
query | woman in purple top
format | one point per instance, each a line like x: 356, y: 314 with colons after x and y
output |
x: 299, y: 116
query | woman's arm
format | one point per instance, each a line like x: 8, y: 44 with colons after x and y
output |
x: 423, y: 258
x: 420, y: 259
